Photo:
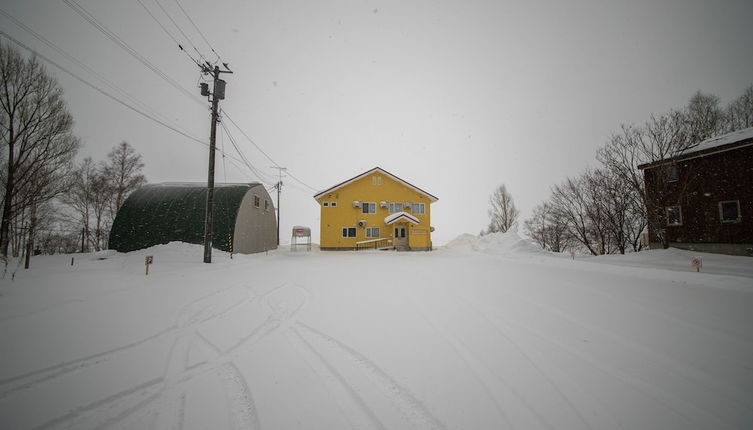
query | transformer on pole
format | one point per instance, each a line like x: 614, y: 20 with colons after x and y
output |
x: 218, y: 93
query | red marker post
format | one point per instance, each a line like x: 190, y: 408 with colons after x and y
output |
x: 697, y: 262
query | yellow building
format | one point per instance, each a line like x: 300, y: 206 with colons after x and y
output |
x: 375, y: 209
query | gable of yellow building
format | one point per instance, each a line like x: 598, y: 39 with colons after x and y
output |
x: 375, y: 209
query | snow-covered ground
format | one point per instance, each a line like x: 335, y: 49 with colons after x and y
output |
x: 486, y: 333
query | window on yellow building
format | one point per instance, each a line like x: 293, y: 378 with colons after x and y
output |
x: 368, y: 207
x: 372, y: 232
x: 349, y: 232
x: 418, y: 208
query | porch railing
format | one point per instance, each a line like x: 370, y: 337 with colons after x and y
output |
x: 381, y: 242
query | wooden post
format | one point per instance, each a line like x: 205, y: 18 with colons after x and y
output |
x: 148, y: 262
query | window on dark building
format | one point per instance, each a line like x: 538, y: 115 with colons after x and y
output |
x: 674, y: 215
x: 729, y: 211
x: 670, y: 171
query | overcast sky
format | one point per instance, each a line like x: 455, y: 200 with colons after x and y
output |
x: 455, y: 97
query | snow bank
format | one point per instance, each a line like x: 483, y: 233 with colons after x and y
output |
x: 508, y: 243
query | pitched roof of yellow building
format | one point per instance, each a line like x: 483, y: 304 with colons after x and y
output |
x: 368, y: 172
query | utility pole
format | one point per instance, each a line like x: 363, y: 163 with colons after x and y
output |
x: 279, y: 189
x: 217, y: 94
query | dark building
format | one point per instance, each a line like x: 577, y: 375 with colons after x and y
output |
x: 244, y: 217
x: 702, y: 199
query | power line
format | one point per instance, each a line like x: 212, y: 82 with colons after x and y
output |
x: 185, y: 36
x: 105, y: 93
x: 225, y: 114
x: 197, y: 29
x: 88, y: 17
x: 73, y: 59
x: 259, y: 174
x: 167, y: 32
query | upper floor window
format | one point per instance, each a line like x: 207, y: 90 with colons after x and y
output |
x: 376, y: 180
x: 418, y: 208
x: 333, y: 204
x: 674, y: 215
x: 257, y: 201
x: 325, y: 204
x: 395, y: 207
x: 670, y: 172
x: 729, y: 211
x: 368, y: 207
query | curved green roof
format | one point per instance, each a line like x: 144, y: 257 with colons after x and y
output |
x: 160, y: 213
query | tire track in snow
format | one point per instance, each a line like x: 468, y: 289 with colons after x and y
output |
x: 411, y: 408
x: 478, y: 368
x: 668, y: 366
x: 482, y: 373
x: 538, y: 369
x: 169, y: 405
x: 242, y: 406
x: 344, y: 393
x: 147, y: 388
x: 189, y: 316
x: 30, y: 379
x: 676, y: 405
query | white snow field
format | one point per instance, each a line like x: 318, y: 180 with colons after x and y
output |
x: 486, y: 333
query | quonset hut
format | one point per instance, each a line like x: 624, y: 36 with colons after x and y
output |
x: 244, y: 217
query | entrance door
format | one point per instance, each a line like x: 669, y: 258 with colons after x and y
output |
x: 401, y: 238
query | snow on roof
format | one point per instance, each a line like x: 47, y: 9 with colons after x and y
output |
x: 400, y: 216
x: 202, y: 184
x: 725, y: 139
x: 376, y: 169
x: 711, y: 145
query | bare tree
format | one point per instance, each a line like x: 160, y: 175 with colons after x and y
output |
x: 123, y: 173
x: 83, y: 197
x: 705, y: 118
x: 502, y: 213
x: 661, y: 137
x: 546, y: 229
x: 36, y: 133
x: 739, y: 113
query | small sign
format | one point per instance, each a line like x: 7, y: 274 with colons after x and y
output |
x: 697, y: 262
x: 148, y: 262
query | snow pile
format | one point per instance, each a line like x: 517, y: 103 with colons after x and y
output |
x: 464, y: 242
x: 507, y: 243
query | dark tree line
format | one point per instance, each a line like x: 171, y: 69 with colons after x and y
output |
x: 604, y: 210
x: 46, y: 198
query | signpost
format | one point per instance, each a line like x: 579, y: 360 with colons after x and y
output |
x: 148, y: 262
x: 697, y: 262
